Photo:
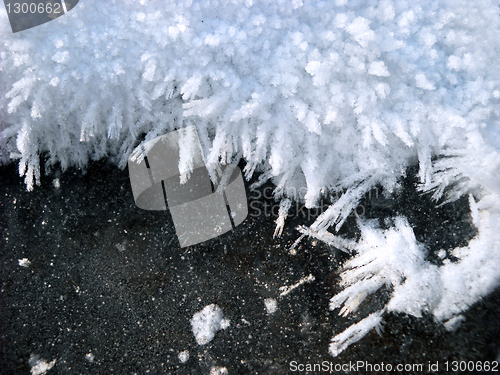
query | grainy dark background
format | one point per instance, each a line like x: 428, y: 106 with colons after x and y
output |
x: 108, y: 278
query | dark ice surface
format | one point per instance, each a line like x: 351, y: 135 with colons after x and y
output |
x: 109, y: 291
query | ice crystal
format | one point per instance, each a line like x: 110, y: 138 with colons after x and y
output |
x: 316, y: 96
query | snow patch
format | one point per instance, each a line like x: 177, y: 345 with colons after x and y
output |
x: 271, y: 305
x: 207, y: 322
x: 40, y: 366
x: 24, y: 262
x: 183, y: 356
x: 217, y: 370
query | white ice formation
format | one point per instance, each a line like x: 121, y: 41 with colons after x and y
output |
x: 317, y: 96
x: 207, y: 322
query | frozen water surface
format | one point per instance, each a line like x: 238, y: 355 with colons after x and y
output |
x: 132, y: 309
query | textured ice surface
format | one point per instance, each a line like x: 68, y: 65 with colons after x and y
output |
x: 395, y: 259
x: 318, y: 96
x: 218, y: 371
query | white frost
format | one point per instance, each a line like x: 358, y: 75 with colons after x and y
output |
x: 183, y: 356
x: 332, y: 96
x: 217, y: 370
x: 207, y: 322
x: 355, y: 333
x: 284, y: 290
x: 423, y: 82
x: 378, y: 68
x: 24, y: 262
x: 394, y: 258
x: 271, y: 305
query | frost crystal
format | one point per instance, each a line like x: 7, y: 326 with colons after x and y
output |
x: 394, y: 258
x: 218, y: 371
x: 24, y: 262
x: 355, y: 333
x: 207, y: 322
x: 312, y: 98
x: 183, y: 356
x: 271, y: 305
x: 39, y: 366
x: 318, y: 97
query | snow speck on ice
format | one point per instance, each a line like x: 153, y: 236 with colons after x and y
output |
x: 184, y: 356
x: 39, y: 366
